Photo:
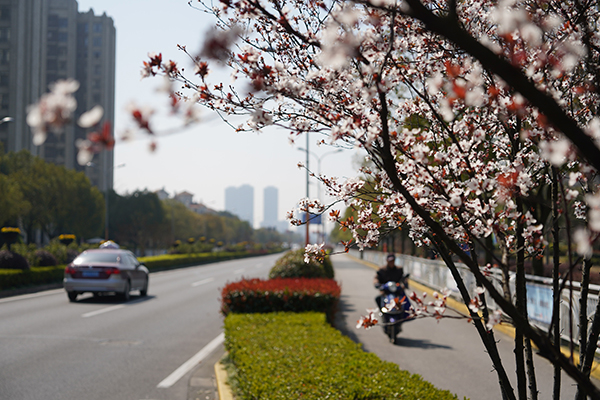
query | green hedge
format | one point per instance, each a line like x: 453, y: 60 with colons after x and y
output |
x: 292, y: 265
x: 299, y: 356
x: 169, y: 261
x: 12, y: 279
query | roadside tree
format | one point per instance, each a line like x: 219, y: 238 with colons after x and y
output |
x: 12, y: 204
x: 137, y: 220
x: 50, y: 198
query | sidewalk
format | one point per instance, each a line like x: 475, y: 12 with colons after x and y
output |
x: 504, y: 328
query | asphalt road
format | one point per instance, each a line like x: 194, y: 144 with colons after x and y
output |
x: 448, y: 353
x: 100, y: 348
x: 148, y: 348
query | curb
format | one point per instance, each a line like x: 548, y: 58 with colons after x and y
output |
x: 504, y: 328
x: 222, y: 386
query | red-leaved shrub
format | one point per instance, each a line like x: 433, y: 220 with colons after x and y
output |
x: 281, y: 294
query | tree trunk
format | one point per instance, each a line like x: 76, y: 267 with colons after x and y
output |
x: 555, y: 280
x: 583, y: 323
x: 489, y: 257
x: 590, y: 351
x: 583, y: 298
x: 521, y: 304
x: 487, y: 337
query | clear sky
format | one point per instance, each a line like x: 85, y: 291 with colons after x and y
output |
x: 206, y: 159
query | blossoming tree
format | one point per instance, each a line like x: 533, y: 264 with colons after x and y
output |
x: 479, y: 119
x: 469, y: 111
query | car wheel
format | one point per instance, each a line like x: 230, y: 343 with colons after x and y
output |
x: 144, y: 290
x: 72, y: 296
x: 124, y: 296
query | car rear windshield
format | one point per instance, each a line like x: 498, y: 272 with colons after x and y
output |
x: 98, y: 257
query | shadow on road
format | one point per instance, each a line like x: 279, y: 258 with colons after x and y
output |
x: 423, y: 344
x: 341, y: 323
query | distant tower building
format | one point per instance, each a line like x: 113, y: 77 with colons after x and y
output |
x: 271, y: 207
x: 42, y: 41
x: 240, y: 201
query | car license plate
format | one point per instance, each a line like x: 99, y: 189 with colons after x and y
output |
x: 90, y: 274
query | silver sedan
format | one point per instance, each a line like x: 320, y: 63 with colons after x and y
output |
x: 101, y: 271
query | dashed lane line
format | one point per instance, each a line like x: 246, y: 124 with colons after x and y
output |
x: 202, y: 282
x: 102, y: 311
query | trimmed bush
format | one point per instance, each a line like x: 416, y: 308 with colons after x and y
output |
x: 169, y: 261
x: 292, y: 265
x: 45, y: 258
x: 282, y: 294
x: 12, y: 260
x: 299, y: 356
x: 13, y: 279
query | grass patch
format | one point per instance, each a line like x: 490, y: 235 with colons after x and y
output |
x: 300, y: 356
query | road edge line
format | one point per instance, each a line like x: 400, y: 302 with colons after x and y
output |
x: 192, y: 362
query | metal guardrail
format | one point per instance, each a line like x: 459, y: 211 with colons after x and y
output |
x: 435, y: 274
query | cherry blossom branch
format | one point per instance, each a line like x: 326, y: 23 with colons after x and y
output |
x: 512, y: 75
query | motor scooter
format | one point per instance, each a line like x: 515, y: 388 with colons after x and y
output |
x: 394, y: 307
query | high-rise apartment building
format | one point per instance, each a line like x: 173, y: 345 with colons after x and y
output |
x: 271, y: 207
x: 240, y: 201
x: 95, y: 71
x: 42, y: 41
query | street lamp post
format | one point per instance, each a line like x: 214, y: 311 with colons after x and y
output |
x: 307, y: 192
x: 319, y: 159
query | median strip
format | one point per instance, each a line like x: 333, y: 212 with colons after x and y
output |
x: 191, y: 363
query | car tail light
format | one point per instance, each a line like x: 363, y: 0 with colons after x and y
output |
x: 113, y: 271
x: 69, y: 270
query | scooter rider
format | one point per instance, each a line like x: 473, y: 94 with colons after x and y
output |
x: 387, y: 273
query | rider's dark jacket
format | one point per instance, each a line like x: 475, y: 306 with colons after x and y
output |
x: 386, y: 274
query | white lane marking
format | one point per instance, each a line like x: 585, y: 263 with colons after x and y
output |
x: 239, y: 271
x: 191, y: 363
x: 31, y: 296
x: 202, y: 282
x: 102, y: 311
